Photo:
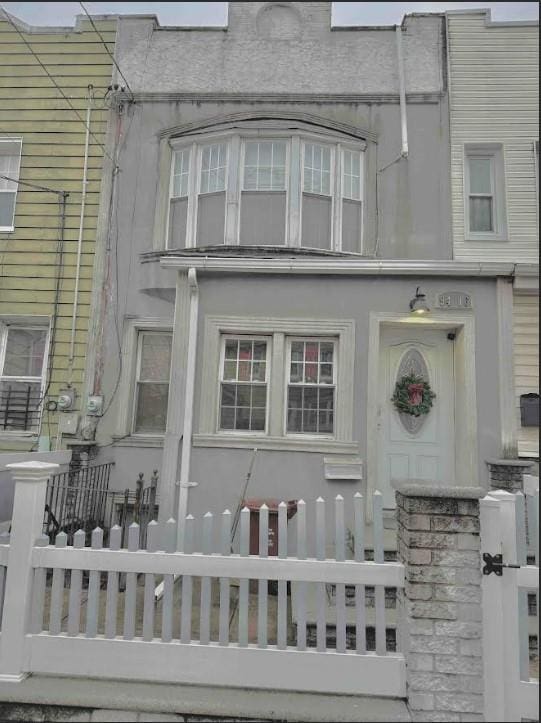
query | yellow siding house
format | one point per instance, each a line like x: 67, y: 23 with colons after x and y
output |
x: 53, y: 87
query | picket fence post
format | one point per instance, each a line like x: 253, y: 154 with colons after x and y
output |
x: 27, y: 523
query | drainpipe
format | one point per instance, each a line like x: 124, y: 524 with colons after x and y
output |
x: 185, y: 460
x: 402, y: 89
x: 80, y: 241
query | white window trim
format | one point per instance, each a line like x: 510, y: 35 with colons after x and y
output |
x: 343, y: 333
x: 21, y: 323
x: 126, y: 393
x: 235, y: 145
x: 19, y: 140
x: 287, y: 383
x: 268, y: 377
x: 495, y: 152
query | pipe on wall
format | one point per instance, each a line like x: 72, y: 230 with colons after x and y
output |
x: 402, y: 91
x: 186, y: 457
x: 80, y: 241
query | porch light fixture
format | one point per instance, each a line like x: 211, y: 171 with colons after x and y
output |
x: 418, y: 305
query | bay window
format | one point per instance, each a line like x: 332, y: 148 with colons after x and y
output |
x: 23, y: 356
x: 285, y: 188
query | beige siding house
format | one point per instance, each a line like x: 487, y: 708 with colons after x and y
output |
x: 52, y: 84
x: 494, y: 124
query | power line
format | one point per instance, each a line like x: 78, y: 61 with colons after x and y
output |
x: 31, y: 49
x: 33, y: 185
x: 108, y: 51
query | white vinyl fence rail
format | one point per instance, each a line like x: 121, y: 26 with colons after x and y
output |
x: 510, y: 693
x: 90, y: 611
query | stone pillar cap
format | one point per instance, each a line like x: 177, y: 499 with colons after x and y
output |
x: 33, y: 466
x: 426, y: 488
x: 510, y: 462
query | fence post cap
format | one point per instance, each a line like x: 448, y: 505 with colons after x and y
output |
x: 32, y: 466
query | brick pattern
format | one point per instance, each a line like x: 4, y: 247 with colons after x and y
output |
x: 509, y: 477
x: 440, y: 607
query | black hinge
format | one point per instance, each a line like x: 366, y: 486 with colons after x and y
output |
x: 495, y: 564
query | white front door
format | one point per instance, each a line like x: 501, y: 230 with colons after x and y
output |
x: 416, y: 447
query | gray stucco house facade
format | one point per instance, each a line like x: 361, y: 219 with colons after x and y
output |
x: 283, y: 192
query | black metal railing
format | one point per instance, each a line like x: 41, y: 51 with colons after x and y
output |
x: 20, y: 406
x: 83, y: 501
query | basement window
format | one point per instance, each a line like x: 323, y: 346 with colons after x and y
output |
x: 10, y: 162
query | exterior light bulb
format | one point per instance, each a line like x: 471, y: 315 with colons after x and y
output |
x: 418, y: 305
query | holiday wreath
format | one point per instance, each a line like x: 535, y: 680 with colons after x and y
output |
x: 412, y: 395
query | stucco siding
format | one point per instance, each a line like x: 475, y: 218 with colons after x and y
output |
x: 53, y: 142
x: 526, y: 357
x: 494, y: 97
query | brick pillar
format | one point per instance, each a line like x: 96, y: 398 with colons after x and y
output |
x: 508, y: 474
x: 440, y: 623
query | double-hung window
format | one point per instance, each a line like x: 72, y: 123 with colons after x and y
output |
x: 152, y: 382
x: 10, y: 161
x: 23, y: 359
x: 263, y: 197
x: 311, y: 383
x: 484, y: 192
x: 317, y: 195
x: 244, y: 378
x: 211, y: 197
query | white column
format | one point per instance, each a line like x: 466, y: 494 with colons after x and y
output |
x: 26, y: 525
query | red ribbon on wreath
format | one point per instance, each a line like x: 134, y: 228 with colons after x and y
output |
x: 415, y: 394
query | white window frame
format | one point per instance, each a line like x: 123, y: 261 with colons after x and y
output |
x: 126, y: 393
x: 5, y: 326
x: 288, y: 383
x: 248, y: 337
x: 235, y: 141
x: 341, y: 331
x: 12, y: 140
x: 495, y: 153
x: 137, y: 381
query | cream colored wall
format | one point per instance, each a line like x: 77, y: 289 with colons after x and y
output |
x: 526, y: 359
x: 52, y: 155
x: 494, y: 98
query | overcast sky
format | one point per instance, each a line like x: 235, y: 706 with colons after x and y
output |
x: 203, y: 13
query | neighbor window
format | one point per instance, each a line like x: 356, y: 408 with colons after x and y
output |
x: 289, y: 187
x: 243, y: 384
x: 310, y: 387
x: 152, y: 382
x: 485, y: 201
x: 10, y: 161
x: 22, y: 373
x: 532, y: 604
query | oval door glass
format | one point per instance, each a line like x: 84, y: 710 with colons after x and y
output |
x: 412, y: 362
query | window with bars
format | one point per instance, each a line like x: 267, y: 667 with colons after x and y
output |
x: 23, y: 352
x: 152, y: 382
x: 311, y: 386
x: 10, y: 161
x: 243, y: 384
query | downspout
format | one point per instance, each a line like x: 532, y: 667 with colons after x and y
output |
x: 80, y: 242
x: 402, y: 91
x: 186, y: 457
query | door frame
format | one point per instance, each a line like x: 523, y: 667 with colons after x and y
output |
x: 463, y: 325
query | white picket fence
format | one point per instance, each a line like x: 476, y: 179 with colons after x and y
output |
x: 86, y: 611
x: 510, y: 693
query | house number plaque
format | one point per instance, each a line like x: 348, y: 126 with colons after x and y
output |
x: 454, y: 300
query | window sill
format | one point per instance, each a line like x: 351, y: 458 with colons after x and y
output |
x: 138, y: 440
x: 274, y: 443
x: 485, y: 237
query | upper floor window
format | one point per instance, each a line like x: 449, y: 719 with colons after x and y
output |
x: 10, y: 161
x: 484, y: 192
x: 285, y: 188
x: 23, y: 353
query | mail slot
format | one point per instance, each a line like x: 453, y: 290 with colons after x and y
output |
x: 529, y: 410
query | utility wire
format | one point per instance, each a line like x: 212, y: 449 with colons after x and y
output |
x: 32, y: 185
x: 31, y: 49
x: 108, y: 51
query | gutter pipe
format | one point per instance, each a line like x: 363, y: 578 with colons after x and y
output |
x: 402, y: 90
x: 80, y: 241
x: 186, y: 457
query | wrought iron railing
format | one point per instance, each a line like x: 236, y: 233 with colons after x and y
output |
x: 82, y: 500
x: 20, y: 406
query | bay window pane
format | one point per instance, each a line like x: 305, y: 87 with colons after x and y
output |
x: 351, y: 175
x: 181, y: 173
x: 317, y: 167
x: 264, y: 166
x: 213, y: 167
x: 481, y: 217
